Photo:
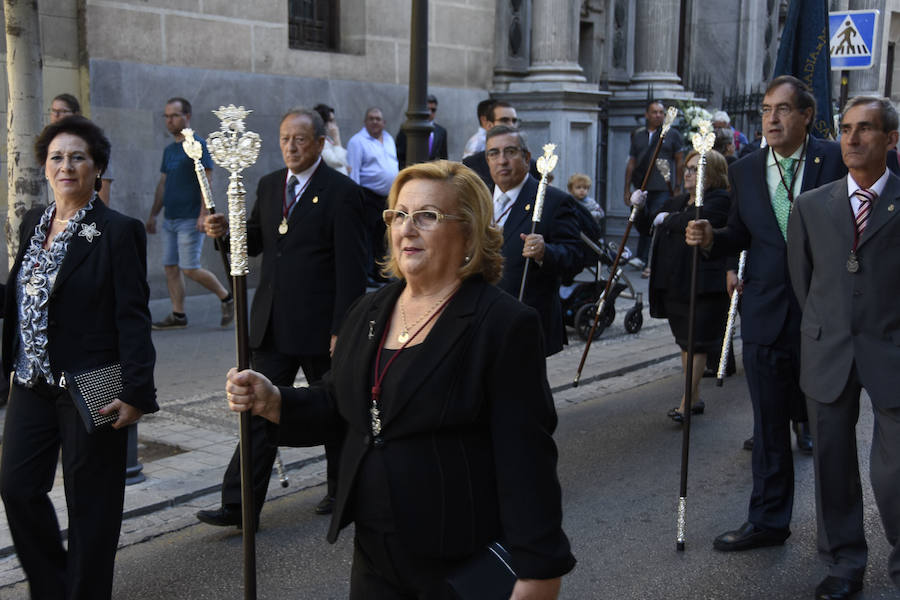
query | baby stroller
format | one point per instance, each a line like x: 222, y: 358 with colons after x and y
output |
x: 581, y: 299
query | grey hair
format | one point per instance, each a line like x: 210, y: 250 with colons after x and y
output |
x: 889, y: 118
x: 721, y: 115
x: 506, y: 129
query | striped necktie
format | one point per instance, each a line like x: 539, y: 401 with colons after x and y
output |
x: 500, y: 209
x: 866, y: 198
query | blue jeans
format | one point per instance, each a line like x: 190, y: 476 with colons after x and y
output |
x: 183, y: 243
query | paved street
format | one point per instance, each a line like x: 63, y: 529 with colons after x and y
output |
x: 619, y: 466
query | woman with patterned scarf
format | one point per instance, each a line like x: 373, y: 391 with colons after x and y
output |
x: 75, y: 302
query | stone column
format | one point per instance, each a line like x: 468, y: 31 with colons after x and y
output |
x: 552, y: 97
x: 656, y: 44
x: 554, y: 41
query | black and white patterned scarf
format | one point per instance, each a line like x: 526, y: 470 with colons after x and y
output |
x: 36, y: 278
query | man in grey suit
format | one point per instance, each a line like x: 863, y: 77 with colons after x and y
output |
x: 844, y: 260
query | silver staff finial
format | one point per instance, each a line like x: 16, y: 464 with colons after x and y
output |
x: 235, y: 149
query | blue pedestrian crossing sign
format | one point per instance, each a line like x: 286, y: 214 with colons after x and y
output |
x: 853, y: 37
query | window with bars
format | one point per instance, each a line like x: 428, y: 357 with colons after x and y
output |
x: 312, y: 24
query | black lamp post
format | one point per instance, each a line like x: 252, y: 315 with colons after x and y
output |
x: 417, y: 125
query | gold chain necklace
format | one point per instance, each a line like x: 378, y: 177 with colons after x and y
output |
x: 404, y: 332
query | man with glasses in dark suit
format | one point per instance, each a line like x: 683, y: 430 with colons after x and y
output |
x: 554, y: 247
x: 764, y: 186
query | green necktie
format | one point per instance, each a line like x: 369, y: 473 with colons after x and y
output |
x: 780, y: 203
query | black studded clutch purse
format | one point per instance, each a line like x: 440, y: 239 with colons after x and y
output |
x: 91, y: 391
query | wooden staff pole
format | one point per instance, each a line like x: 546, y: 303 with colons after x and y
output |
x: 235, y: 149
x: 703, y: 143
x: 671, y: 113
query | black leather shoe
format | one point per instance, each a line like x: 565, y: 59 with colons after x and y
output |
x: 837, y: 588
x: 804, y: 437
x: 697, y: 408
x: 747, y: 537
x: 325, y: 506
x: 748, y: 443
x: 221, y: 517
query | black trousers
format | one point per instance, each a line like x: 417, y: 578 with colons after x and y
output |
x: 839, y: 500
x: 281, y: 369
x: 773, y: 376
x: 383, y: 569
x: 38, y: 422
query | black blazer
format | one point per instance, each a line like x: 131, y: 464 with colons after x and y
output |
x: 562, y: 257
x: 768, y: 304
x: 850, y: 320
x: 468, y: 451
x: 311, y: 275
x: 670, y: 261
x: 98, y: 310
x: 438, y: 146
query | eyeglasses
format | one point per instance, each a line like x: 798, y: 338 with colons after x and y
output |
x: 61, y: 112
x: 782, y: 110
x: 690, y: 170
x: 423, y: 220
x: 509, y: 152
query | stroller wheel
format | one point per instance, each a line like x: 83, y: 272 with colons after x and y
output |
x: 634, y: 319
x: 584, y: 320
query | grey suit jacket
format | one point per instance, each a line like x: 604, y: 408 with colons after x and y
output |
x: 847, y: 317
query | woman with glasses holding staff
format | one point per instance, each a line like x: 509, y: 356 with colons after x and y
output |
x: 670, y: 273
x: 441, y: 383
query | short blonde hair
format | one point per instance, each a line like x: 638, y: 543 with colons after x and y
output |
x: 474, y: 205
x: 577, y: 178
x: 716, y: 171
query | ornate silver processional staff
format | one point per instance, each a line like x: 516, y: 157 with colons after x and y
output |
x: 703, y: 142
x: 545, y: 164
x: 194, y: 150
x: 729, y: 325
x: 235, y: 149
x: 614, y: 272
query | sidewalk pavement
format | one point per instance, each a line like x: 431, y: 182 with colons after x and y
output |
x: 185, y: 447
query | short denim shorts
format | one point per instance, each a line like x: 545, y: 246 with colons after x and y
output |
x: 183, y: 243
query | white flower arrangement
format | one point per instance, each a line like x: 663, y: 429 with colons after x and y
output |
x: 692, y: 116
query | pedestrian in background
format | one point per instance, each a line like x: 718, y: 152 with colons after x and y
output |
x: 333, y: 153
x: 66, y: 105
x: 184, y: 221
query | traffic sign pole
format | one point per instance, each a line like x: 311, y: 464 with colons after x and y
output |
x: 845, y: 80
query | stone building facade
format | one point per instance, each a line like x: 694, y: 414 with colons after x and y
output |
x: 579, y: 71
